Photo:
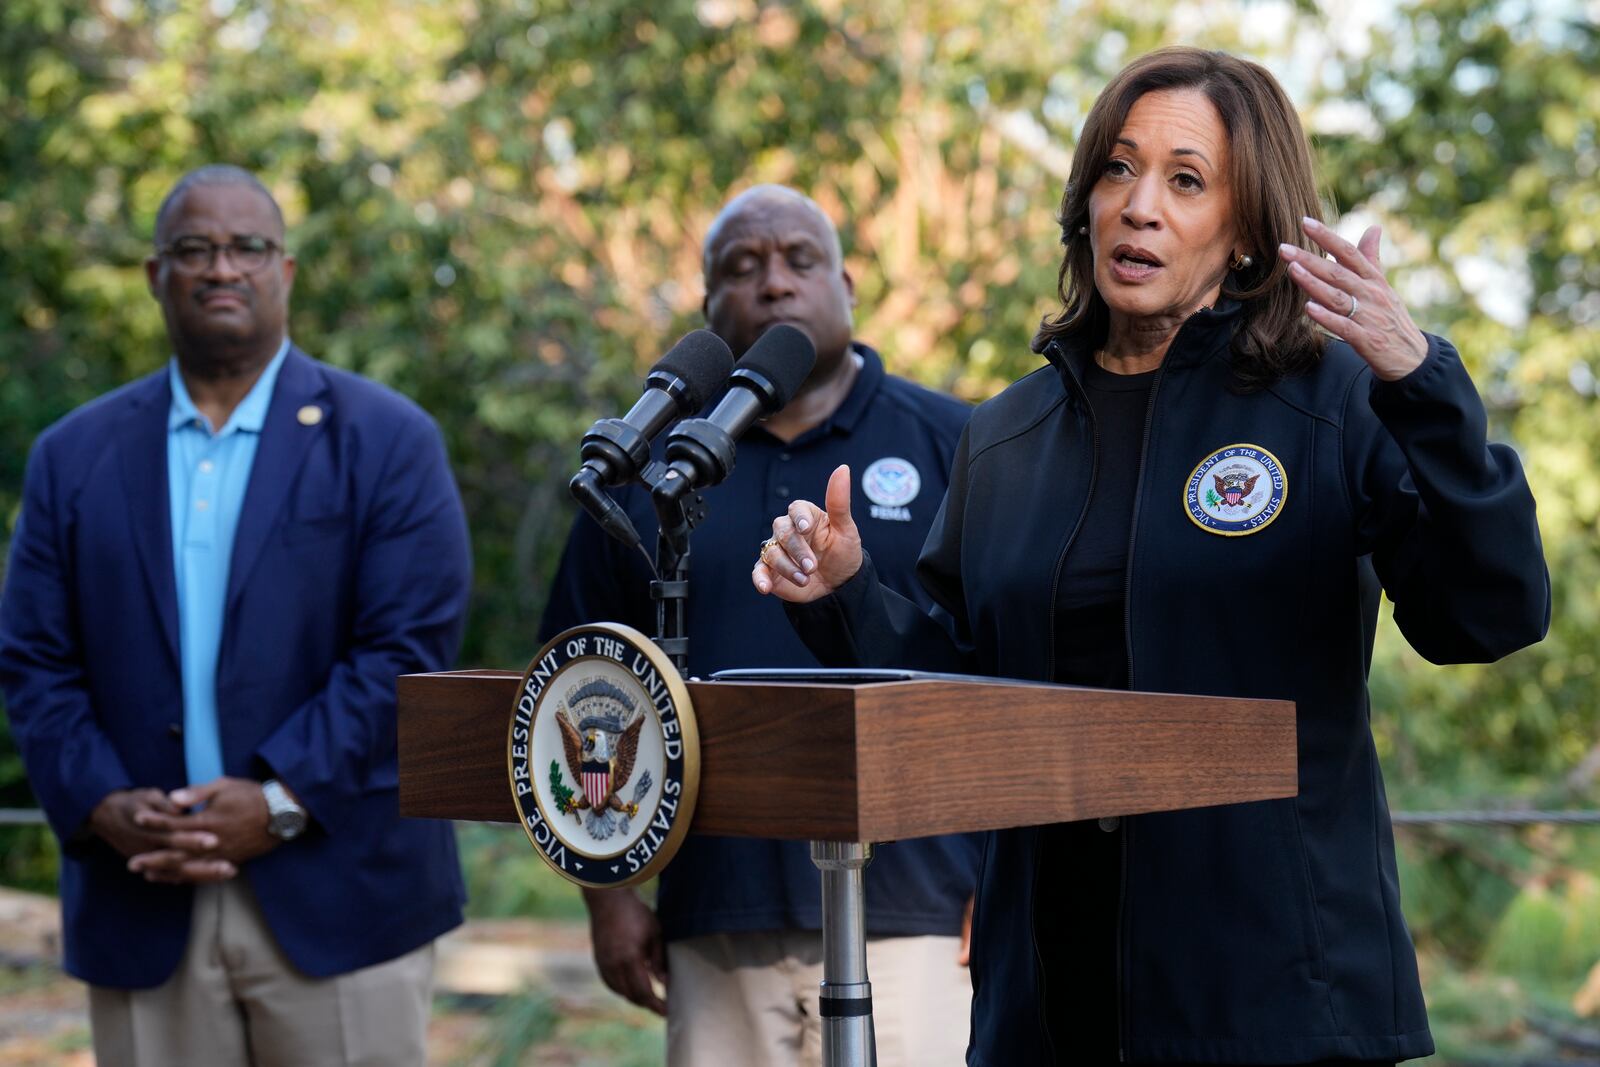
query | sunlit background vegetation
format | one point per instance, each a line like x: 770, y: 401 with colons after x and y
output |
x: 497, y: 205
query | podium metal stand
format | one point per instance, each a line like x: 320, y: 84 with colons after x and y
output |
x: 848, y: 765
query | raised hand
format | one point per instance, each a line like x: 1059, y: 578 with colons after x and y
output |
x: 813, y: 550
x: 1351, y: 299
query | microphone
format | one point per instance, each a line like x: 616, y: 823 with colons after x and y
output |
x: 700, y: 452
x: 614, y: 451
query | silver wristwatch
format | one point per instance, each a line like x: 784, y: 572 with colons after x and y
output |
x: 285, y: 818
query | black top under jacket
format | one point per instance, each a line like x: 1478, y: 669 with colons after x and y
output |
x: 1251, y: 933
x: 898, y: 439
x: 1091, y: 595
x: 1080, y: 865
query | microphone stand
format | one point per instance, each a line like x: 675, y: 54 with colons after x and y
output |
x: 677, y: 513
x: 849, y: 1036
x: 699, y: 453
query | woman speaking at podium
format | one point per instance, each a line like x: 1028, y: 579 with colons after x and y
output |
x: 1235, y: 444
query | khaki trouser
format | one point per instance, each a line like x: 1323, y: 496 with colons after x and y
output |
x: 751, y: 999
x: 237, y: 1001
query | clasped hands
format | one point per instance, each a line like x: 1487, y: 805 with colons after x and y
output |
x: 200, y: 833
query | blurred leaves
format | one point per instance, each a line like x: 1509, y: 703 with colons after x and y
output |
x: 497, y: 204
x: 533, y: 1027
x: 1481, y: 160
x: 505, y: 876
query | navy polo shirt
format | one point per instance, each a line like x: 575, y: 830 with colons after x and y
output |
x: 898, y: 439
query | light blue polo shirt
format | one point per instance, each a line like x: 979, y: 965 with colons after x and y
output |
x: 207, y: 474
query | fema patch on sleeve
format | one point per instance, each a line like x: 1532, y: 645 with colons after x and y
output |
x: 1236, y: 490
x: 890, y: 484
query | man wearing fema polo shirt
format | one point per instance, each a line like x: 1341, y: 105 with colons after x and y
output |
x: 734, y: 936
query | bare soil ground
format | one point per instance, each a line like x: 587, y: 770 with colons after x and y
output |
x: 509, y: 992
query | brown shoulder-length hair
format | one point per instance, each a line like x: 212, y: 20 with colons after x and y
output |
x: 1274, y: 186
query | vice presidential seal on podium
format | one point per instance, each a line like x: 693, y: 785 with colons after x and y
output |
x: 603, y: 756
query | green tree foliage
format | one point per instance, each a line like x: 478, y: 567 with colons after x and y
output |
x: 497, y: 207
x: 1485, y: 170
x: 1479, y: 153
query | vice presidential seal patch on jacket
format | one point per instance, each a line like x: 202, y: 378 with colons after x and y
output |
x: 1236, y: 490
x: 603, y: 756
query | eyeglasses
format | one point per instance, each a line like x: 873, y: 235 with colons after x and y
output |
x: 194, y: 255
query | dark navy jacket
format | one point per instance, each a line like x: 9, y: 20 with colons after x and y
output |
x: 1253, y: 933
x: 350, y: 567
x: 721, y: 884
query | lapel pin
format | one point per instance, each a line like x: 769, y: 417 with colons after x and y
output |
x: 309, y: 415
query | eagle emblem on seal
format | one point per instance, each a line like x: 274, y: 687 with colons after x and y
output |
x: 600, y: 726
x: 1234, y: 485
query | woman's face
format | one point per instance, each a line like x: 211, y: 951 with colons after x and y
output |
x: 1161, y: 221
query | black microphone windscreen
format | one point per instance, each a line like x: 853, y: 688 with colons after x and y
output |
x: 703, y: 360
x: 784, y: 355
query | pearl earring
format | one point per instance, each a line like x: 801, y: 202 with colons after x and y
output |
x: 1083, y: 229
x: 1242, y: 262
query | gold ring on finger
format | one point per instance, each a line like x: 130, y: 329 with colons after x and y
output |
x: 767, y: 546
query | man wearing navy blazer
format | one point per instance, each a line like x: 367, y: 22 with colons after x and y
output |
x: 218, y: 572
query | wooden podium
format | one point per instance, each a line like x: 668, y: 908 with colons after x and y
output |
x: 846, y: 765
